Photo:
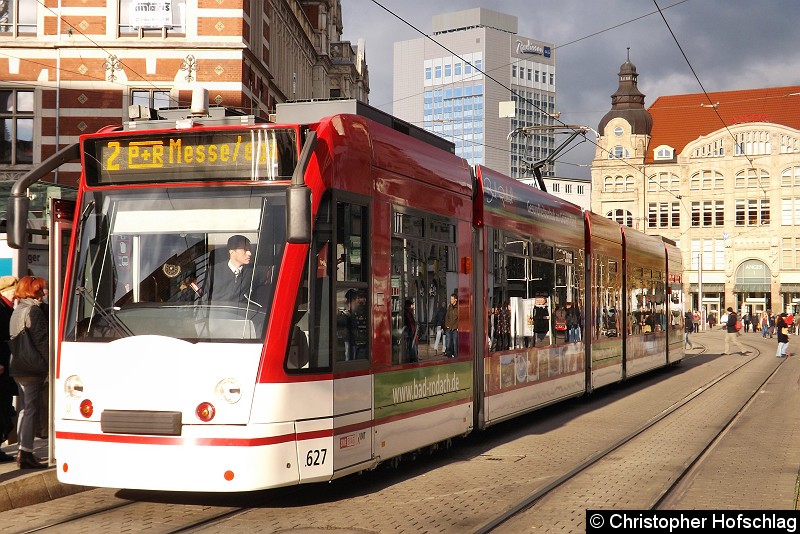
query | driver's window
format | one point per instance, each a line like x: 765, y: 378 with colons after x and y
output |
x: 171, y: 268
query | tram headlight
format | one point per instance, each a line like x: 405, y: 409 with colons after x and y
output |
x: 229, y: 390
x: 73, y: 387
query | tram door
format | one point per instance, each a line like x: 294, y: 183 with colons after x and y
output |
x: 352, y: 395
x: 61, y: 217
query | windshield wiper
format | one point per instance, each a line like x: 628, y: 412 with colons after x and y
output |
x: 113, y: 321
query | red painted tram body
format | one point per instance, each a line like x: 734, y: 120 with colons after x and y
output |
x: 342, y: 348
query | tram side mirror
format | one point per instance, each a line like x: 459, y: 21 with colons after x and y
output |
x: 17, y: 220
x: 298, y: 197
x: 298, y: 214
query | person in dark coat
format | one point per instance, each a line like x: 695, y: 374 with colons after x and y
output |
x: 541, y: 319
x: 438, y: 322
x: 232, y: 279
x: 573, y: 323
x: 451, y: 327
x: 782, y: 329
x: 688, y: 326
x: 410, y: 330
x: 8, y: 388
x: 30, y: 357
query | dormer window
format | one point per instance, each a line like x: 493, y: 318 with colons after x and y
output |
x: 664, y: 152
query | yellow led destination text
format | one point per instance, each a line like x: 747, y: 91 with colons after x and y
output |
x: 175, y: 152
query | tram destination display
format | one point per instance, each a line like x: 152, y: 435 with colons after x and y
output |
x: 219, y: 155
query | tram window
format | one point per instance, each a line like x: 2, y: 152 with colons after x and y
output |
x: 309, y: 345
x: 442, y: 231
x: 352, y: 278
x: 564, y: 255
x: 517, y: 245
x: 408, y: 225
x: 423, y: 274
x: 351, y: 252
x: 534, y: 301
x: 148, y: 269
x: 352, y: 325
x: 543, y: 250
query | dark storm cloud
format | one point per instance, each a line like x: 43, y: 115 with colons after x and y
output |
x: 731, y: 44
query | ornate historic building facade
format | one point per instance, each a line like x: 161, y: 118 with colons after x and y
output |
x: 69, y: 67
x: 718, y: 173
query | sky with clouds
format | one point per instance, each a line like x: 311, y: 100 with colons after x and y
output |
x: 729, y: 44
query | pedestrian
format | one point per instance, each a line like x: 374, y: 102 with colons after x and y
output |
x: 771, y: 323
x: 732, y: 332
x: 764, y: 324
x: 451, y: 327
x: 410, y: 332
x: 688, y: 327
x: 438, y: 322
x: 573, y: 323
x: 8, y: 388
x: 783, y: 335
x: 29, y: 361
x: 504, y: 326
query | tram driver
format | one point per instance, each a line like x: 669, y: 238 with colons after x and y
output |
x: 236, y: 282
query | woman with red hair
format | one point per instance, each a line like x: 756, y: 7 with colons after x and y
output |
x: 30, y: 350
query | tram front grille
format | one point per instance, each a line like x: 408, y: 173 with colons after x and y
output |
x: 140, y: 422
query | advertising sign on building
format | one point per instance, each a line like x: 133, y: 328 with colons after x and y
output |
x: 151, y: 14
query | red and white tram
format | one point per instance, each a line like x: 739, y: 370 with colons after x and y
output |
x: 327, y: 357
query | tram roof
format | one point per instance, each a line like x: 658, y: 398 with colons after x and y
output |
x: 306, y: 112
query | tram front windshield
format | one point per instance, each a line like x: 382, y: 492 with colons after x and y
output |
x: 189, y: 263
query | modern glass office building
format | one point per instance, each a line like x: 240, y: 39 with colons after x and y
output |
x: 453, y: 85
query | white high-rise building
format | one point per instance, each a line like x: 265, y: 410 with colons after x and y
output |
x: 455, y: 88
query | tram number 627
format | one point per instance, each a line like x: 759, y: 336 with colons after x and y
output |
x: 316, y: 457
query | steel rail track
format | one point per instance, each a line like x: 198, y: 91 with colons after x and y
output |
x: 536, y: 496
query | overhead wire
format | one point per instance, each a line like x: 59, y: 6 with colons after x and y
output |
x: 512, y: 91
x: 128, y: 68
x: 96, y: 44
x: 713, y: 105
x: 659, y: 10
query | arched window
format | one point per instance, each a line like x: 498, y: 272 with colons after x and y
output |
x: 790, y: 177
x: 621, y: 216
x: 663, y: 181
x: 752, y: 179
x: 619, y: 152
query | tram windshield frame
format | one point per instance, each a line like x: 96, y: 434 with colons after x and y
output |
x: 152, y: 262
